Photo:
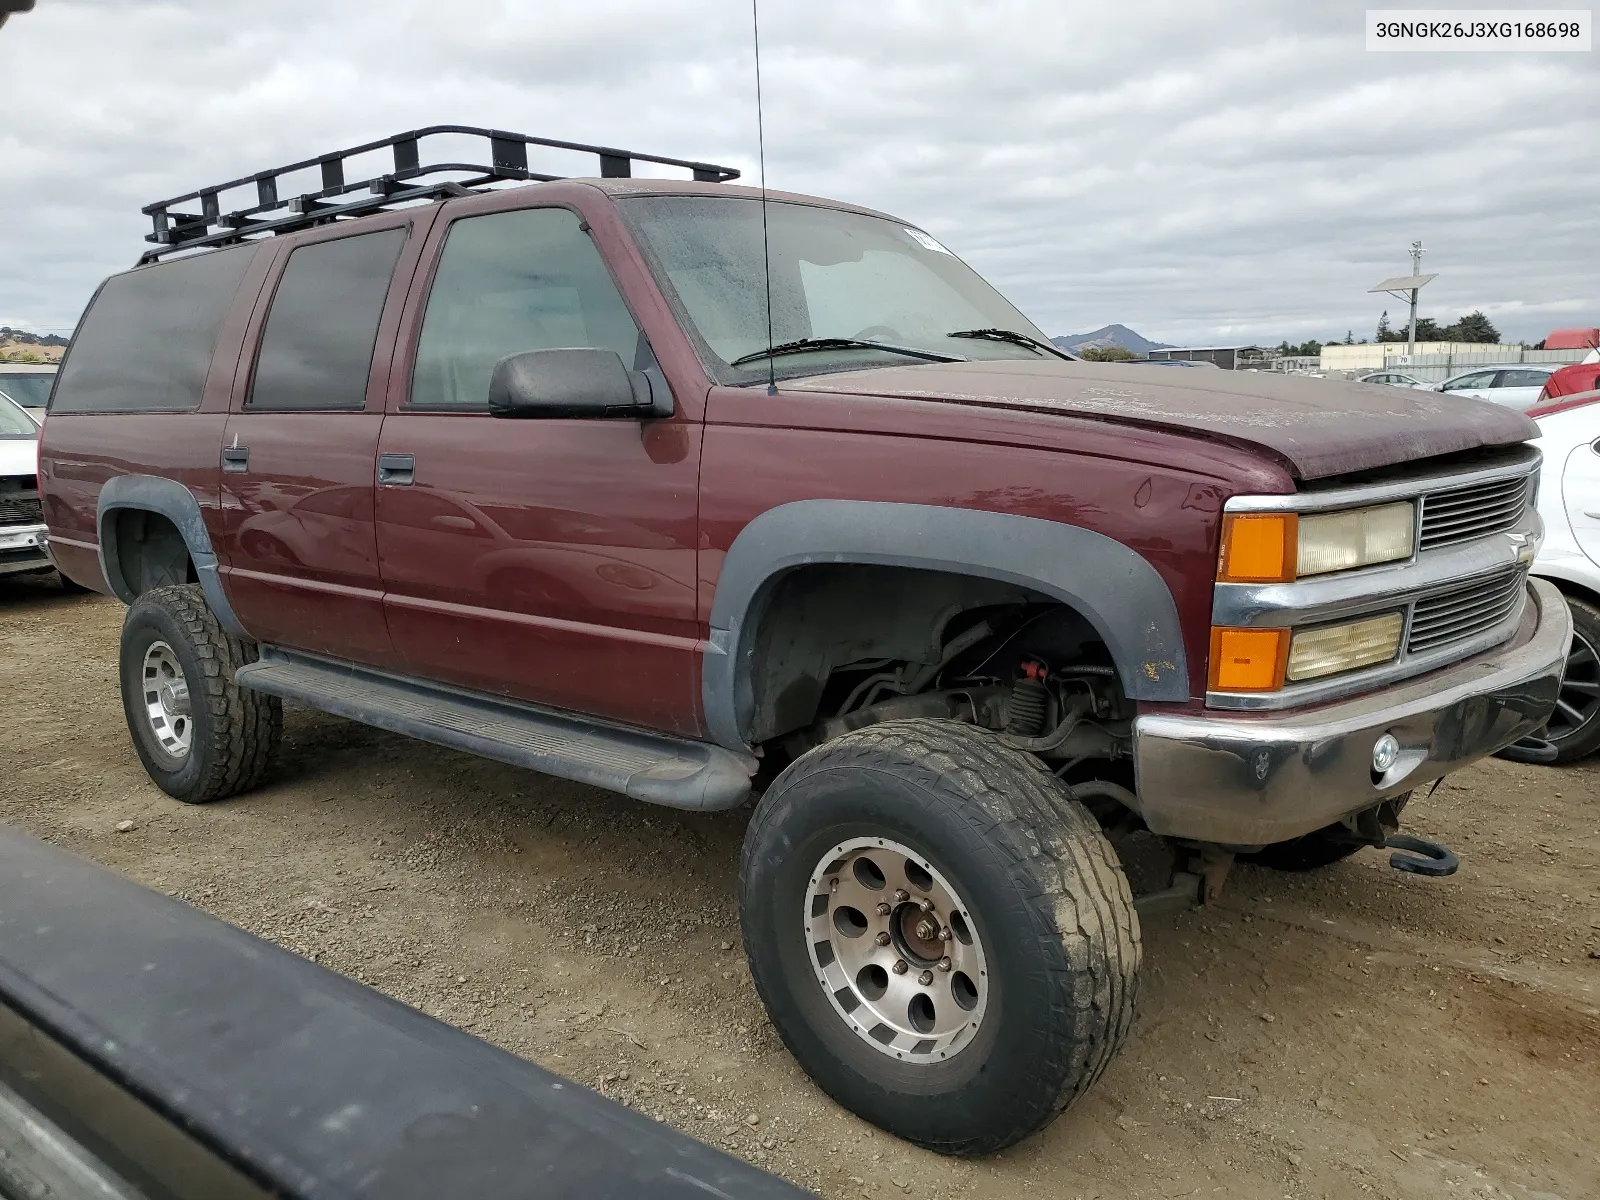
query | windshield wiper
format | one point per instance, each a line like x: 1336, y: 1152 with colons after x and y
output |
x: 801, y: 345
x: 1016, y: 339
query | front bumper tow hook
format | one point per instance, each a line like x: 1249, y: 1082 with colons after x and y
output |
x: 1425, y: 857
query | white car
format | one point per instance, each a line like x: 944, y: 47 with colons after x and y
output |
x: 1515, y: 385
x: 1394, y: 379
x: 1569, y: 503
x: 22, y: 527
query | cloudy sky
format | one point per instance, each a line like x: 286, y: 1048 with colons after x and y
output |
x: 1204, y: 173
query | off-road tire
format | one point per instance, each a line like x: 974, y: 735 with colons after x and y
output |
x: 235, y: 731
x: 1584, y: 739
x: 1045, y: 889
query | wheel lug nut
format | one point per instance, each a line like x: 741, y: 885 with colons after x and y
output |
x: 944, y: 963
x: 944, y: 934
x: 883, y: 939
x: 925, y: 978
x: 884, y: 910
x: 925, y: 904
x: 900, y: 966
x: 901, y: 895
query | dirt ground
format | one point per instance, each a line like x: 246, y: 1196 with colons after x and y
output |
x: 1352, y: 1032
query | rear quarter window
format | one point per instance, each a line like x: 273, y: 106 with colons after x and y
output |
x: 146, y: 342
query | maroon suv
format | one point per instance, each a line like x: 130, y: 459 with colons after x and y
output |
x: 703, y: 497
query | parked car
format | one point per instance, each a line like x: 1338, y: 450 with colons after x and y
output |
x: 28, y: 384
x: 1570, y: 380
x: 1393, y: 378
x: 528, y: 472
x: 1514, y: 385
x: 22, y: 525
x: 1569, y: 503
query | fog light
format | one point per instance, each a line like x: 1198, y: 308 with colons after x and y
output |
x: 1385, y: 753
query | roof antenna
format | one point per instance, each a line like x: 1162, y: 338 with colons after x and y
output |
x: 766, y: 248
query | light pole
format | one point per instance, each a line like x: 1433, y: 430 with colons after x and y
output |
x: 1406, y: 287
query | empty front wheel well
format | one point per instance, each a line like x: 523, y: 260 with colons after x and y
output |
x: 832, y: 639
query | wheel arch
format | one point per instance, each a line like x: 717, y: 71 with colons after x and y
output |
x: 1114, y: 588
x: 1571, y: 583
x: 175, y: 505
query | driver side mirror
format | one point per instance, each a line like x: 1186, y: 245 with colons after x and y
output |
x: 573, y: 382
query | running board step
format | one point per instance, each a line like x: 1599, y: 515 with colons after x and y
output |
x: 647, y: 766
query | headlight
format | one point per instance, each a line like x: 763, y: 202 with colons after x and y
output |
x: 1282, y: 547
x: 1331, y: 649
x: 1357, y: 537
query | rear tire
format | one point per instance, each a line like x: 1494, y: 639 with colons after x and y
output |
x: 1035, y: 909
x: 200, y: 735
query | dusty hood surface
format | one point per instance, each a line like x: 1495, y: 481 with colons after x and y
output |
x: 1316, y: 427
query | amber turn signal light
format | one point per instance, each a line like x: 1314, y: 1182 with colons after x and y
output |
x: 1259, y: 547
x: 1248, y: 660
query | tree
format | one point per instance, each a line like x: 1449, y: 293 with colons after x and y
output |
x: 1349, y: 337
x: 1428, y: 330
x: 1474, y: 327
x: 1108, y: 354
x: 1385, y: 334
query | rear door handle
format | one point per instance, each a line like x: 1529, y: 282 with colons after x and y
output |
x: 397, y: 470
x: 236, y: 459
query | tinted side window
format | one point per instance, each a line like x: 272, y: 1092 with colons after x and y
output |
x: 508, y: 282
x: 1521, y: 379
x: 146, y: 342
x: 316, y: 351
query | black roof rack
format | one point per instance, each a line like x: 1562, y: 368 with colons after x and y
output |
x: 409, y: 181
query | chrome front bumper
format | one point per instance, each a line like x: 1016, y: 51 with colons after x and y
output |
x: 1250, y: 780
x: 23, y: 549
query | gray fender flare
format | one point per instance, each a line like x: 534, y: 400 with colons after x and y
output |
x: 172, y: 500
x: 1114, y: 588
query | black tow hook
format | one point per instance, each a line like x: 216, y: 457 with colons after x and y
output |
x: 1426, y: 858
x: 1530, y: 749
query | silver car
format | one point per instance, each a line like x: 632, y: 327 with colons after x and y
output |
x: 1514, y: 385
x: 1393, y: 379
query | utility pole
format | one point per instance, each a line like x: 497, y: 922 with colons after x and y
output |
x: 1406, y: 287
x: 1416, y: 271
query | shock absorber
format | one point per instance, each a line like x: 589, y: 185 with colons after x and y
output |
x: 1029, y: 702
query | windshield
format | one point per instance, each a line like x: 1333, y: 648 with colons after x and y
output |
x: 30, y: 391
x: 14, y: 423
x: 835, y: 274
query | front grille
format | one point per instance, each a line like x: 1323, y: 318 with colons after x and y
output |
x: 1475, y: 511
x: 21, y: 510
x: 1457, y: 615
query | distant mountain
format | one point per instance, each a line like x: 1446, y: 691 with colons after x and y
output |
x: 1108, y: 335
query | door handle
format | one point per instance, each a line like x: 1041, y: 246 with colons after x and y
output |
x: 397, y: 470
x: 236, y: 459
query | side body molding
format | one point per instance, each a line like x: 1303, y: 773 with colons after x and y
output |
x: 1113, y: 587
x: 172, y: 500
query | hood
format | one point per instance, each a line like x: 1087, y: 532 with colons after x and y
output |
x: 19, y: 456
x: 1315, y: 427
